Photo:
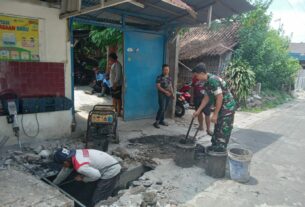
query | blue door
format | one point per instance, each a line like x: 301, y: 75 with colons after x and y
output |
x: 143, y: 59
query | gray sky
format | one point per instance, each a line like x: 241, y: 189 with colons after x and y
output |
x: 290, y: 13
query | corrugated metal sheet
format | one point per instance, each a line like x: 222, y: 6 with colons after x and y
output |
x: 159, y: 15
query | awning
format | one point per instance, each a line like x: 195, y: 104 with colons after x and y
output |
x: 155, y: 14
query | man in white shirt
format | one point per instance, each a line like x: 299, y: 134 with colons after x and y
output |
x: 116, y: 82
x: 92, y: 165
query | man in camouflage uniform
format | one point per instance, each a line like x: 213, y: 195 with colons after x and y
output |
x: 217, y: 93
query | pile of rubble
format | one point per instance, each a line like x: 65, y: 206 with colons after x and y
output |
x: 142, y: 193
x: 36, y: 158
x: 153, y: 189
x: 254, y: 101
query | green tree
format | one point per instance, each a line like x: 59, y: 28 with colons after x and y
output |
x: 265, y: 49
x: 106, y: 37
x: 95, y: 46
x: 241, y: 80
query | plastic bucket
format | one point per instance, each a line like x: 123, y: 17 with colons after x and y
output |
x: 239, y: 163
x: 185, y: 155
x: 216, y: 164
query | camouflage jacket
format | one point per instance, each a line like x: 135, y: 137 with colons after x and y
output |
x: 214, y: 86
x: 165, y: 82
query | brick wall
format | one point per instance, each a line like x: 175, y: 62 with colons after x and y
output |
x: 32, y: 79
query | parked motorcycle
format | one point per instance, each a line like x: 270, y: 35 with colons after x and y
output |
x: 181, y: 105
x: 185, y: 92
x: 185, y: 97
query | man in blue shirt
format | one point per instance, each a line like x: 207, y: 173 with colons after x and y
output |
x: 98, y: 82
x: 101, y: 83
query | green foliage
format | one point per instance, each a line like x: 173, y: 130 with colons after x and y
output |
x: 241, y: 80
x: 265, y: 49
x: 271, y: 99
x: 102, y: 64
x: 94, y: 47
x: 106, y: 37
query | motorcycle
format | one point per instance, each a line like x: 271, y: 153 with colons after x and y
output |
x: 185, y: 92
x: 181, y: 105
x: 184, y: 100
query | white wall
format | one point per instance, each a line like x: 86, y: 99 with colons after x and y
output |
x: 54, y: 47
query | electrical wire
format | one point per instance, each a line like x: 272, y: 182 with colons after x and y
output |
x: 38, y: 127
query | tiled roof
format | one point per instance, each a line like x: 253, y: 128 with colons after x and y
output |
x: 297, y: 48
x: 201, y: 41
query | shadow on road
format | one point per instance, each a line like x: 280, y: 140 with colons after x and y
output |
x: 253, y: 139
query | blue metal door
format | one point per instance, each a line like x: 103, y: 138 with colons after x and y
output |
x: 143, y: 59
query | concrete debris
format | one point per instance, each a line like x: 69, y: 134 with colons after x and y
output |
x: 146, y: 191
x: 121, y: 192
x: 121, y: 152
x: 149, y: 198
x: 136, y: 190
x: 159, y: 182
x: 38, y: 149
x: 143, y: 178
x: 254, y: 103
x: 18, y: 152
x: 147, y: 183
x: 129, y: 200
x: 8, y: 162
x: 108, y: 202
x: 45, y: 154
x: 29, y: 157
x: 257, y: 97
x: 157, y: 188
x: 136, y: 183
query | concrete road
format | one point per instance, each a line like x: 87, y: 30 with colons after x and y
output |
x: 277, y: 167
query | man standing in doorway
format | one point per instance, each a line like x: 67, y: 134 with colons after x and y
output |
x: 165, y: 93
x: 116, y: 81
x: 217, y: 93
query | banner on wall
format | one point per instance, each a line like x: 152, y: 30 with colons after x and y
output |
x: 19, y: 39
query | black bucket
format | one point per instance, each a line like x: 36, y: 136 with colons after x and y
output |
x: 216, y: 164
x: 185, y: 154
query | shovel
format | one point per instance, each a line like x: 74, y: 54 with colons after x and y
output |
x: 188, y: 132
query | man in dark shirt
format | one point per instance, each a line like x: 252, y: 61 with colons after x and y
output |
x: 165, y: 93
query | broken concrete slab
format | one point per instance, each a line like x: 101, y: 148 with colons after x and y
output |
x: 150, y: 198
x: 45, y: 154
x: 38, y: 149
x: 31, y: 157
x: 21, y: 189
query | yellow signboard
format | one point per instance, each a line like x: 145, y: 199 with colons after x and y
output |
x: 19, y: 39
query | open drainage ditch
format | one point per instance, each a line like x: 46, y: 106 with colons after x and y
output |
x: 157, y: 146
x: 82, y: 192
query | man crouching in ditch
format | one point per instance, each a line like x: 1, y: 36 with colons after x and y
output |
x: 218, y: 94
x: 91, y: 166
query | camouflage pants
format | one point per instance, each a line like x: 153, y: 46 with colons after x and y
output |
x: 222, y: 132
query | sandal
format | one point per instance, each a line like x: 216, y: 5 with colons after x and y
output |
x: 209, y: 133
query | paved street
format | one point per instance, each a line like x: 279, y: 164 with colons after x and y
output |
x: 277, y: 168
